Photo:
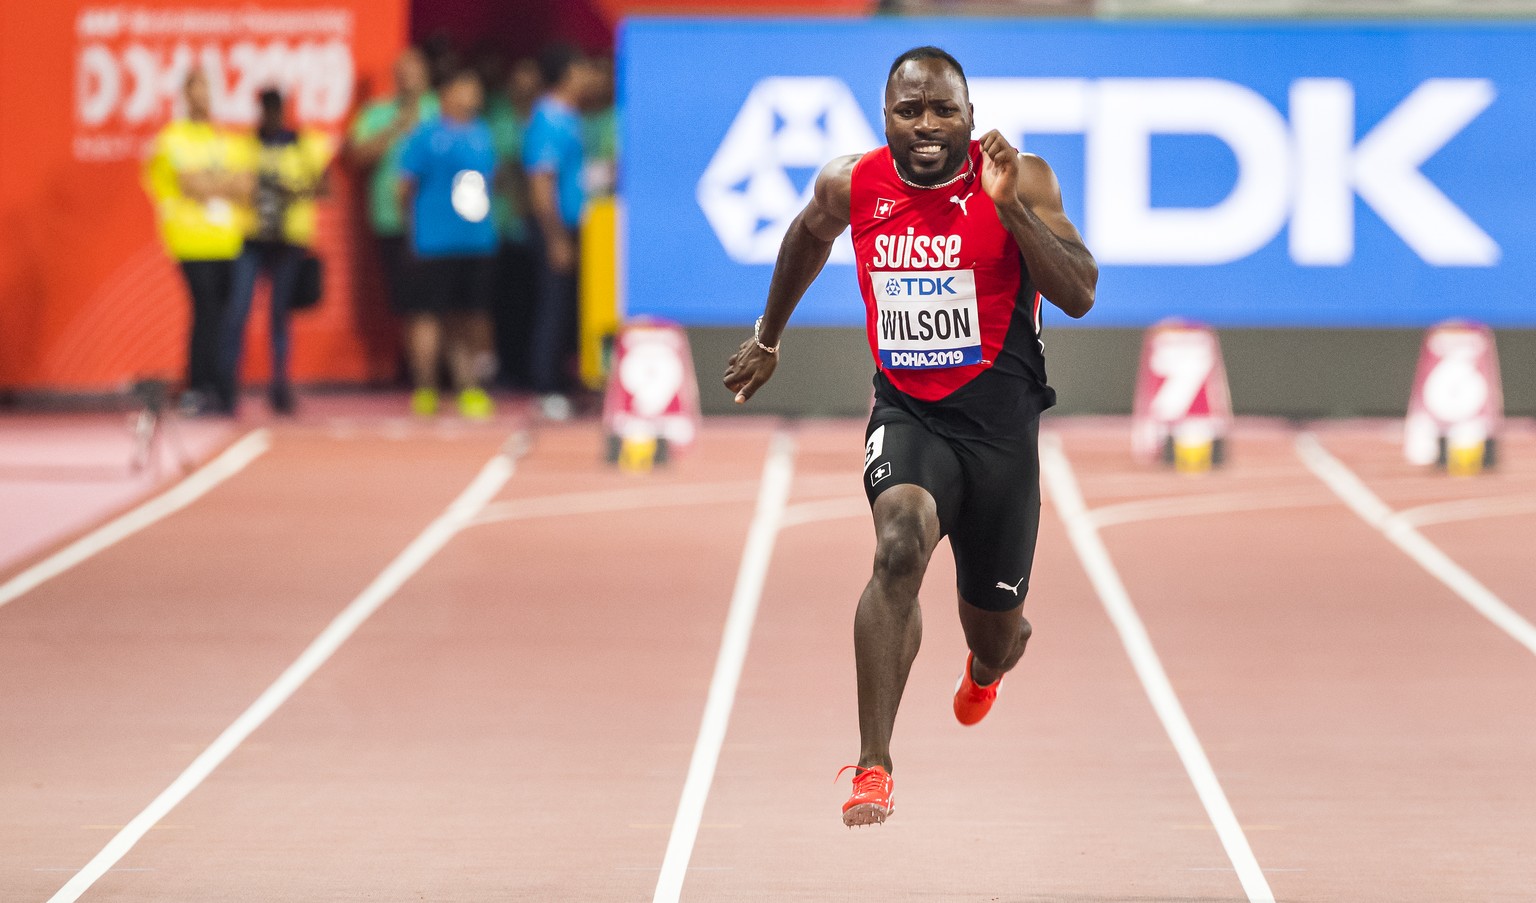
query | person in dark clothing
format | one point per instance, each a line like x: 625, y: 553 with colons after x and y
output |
x: 289, y: 172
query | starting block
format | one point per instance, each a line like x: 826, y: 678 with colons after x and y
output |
x: 651, y: 406
x: 1457, y: 404
x: 638, y: 453
x: 1183, y: 408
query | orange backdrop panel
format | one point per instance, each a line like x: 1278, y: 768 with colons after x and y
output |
x: 88, y: 297
x: 616, y: 9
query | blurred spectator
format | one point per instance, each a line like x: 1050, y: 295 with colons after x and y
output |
x: 447, y: 168
x: 507, y: 115
x: 600, y: 133
x: 443, y: 59
x: 199, y: 179
x: 378, y: 134
x: 289, y: 169
x: 553, y: 157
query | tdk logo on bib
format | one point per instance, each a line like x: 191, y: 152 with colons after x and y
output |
x: 927, y: 319
x: 919, y: 285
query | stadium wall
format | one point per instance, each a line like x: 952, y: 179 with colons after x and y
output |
x: 1298, y: 373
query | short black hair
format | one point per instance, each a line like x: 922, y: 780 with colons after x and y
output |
x: 271, y: 99
x: 555, y: 61
x: 929, y: 52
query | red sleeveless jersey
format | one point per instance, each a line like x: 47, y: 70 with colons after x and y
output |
x: 946, y: 293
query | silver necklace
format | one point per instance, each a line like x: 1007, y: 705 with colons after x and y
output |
x: 967, y: 175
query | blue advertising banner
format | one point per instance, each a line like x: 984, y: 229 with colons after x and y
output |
x: 1241, y: 174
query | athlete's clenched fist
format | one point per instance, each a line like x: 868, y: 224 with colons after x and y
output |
x: 999, y: 168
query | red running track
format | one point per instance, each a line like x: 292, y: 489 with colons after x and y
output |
x: 516, y: 721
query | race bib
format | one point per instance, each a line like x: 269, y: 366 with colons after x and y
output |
x: 926, y: 319
x: 219, y: 212
x: 470, y: 198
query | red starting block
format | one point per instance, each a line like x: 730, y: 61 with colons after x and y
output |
x: 1183, y: 409
x: 651, y: 407
x: 1457, y: 404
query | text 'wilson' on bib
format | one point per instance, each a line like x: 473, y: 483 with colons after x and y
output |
x: 927, y: 318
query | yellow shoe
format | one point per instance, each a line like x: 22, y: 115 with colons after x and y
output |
x: 424, y: 402
x: 476, y: 404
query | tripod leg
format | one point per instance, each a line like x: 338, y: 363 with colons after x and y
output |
x: 144, y: 429
x: 183, y: 459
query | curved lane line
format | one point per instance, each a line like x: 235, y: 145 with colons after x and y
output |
x: 228, y: 463
x: 428, y: 543
x: 1193, y: 506
x: 1467, y: 509
x: 1403, y: 534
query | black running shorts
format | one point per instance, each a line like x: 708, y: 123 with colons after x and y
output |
x: 987, y: 491
x: 451, y: 284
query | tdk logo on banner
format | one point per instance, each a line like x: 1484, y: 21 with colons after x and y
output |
x: 1304, y: 172
x: 786, y: 124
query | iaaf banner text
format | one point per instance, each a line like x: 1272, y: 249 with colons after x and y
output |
x: 1240, y: 174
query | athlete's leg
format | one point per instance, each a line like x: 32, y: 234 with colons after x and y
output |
x: 888, y: 626
x: 994, y: 545
x: 996, y: 640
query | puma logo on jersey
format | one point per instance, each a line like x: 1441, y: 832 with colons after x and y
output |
x: 1012, y: 589
x: 962, y: 201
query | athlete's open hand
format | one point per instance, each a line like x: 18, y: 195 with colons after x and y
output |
x: 999, y: 168
x: 748, y: 369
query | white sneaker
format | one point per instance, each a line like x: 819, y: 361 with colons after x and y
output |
x: 555, y: 407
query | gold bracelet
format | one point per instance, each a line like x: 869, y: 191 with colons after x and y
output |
x: 757, y: 333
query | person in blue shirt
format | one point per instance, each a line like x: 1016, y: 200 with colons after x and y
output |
x: 553, y: 158
x: 446, y: 173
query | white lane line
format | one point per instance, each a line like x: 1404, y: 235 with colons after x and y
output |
x: 1403, y: 534
x: 228, y: 463
x: 1192, y: 506
x: 1467, y: 509
x: 609, y: 500
x: 823, y: 510
x: 773, y: 492
x: 431, y: 540
x: 1064, y: 490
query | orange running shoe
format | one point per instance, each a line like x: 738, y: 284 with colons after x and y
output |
x: 873, y: 796
x: 973, y: 701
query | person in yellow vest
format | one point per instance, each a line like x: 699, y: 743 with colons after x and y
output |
x: 199, y: 179
x: 289, y: 173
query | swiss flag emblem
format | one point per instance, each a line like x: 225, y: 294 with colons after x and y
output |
x: 883, y: 208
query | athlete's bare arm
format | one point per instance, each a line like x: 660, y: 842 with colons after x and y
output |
x: 801, y: 256
x: 1028, y: 200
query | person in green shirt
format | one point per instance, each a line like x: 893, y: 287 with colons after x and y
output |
x: 507, y: 114
x: 376, y: 139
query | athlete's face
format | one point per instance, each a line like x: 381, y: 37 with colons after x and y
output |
x: 928, y: 121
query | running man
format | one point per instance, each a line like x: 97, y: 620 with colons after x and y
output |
x: 955, y: 241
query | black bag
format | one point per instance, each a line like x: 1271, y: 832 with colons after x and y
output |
x: 310, y: 286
